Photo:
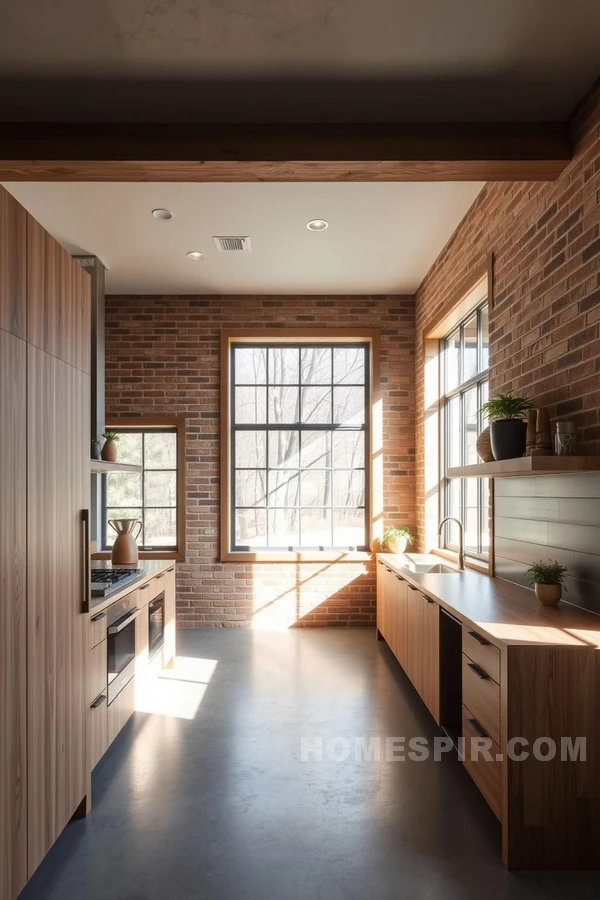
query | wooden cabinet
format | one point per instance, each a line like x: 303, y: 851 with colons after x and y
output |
x: 401, y: 621
x: 170, y: 617
x: 120, y: 711
x: 381, y: 583
x: 13, y: 265
x: 97, y: 716
x: 414, y: 656
x: 484, y: 769
x: 58, y: 398
x: 391, y: 610
x: 430, y: 674
x: 13, y: 612
x: 58, y: 299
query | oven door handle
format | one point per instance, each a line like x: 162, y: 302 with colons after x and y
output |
x: 120, y: 624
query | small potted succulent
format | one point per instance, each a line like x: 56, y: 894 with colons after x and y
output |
x: 548, y: 579
x: 508, y: 429
x: 396, y: 538
x: 109, y: 450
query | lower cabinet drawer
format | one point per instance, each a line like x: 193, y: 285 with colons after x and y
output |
x: 120, y: 710
x: 481, y: 695
x: 485, y: 772
x: 97, y: 671
x: 97, y: 730
x: 96, y: 628
x: 481, y: 651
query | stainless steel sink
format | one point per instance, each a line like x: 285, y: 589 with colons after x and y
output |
x: 429, y: 569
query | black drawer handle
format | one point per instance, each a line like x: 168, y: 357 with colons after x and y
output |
x: 476, y: 727
x: 144, y: 587
x: 477, y: 670
x: 172, y: 569
x: 479, y: 638
x: 429, y: 600
x: 412, y: 588
x: 97, y: 617
x: 162, y: 575
x: 399, y: 577
x: 99, y: 701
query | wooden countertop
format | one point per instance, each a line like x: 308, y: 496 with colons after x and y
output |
x: 149, y: 567
x: 505, y: 613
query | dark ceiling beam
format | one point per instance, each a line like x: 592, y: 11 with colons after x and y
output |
x: 521, y: 151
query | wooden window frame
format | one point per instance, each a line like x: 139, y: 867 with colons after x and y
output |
x: 158, y: 422
x: 374, y: 462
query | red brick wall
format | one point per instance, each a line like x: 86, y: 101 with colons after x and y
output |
x: 162, y: 356
x: 545, y: 238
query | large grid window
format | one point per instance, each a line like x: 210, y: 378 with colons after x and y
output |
x: 299, y: 429
x: 465, y: 368
x: 150, y: 495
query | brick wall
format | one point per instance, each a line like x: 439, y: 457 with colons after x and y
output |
x: 162, y: 356
x: 545, y: 238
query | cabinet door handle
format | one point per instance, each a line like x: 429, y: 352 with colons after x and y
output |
x: 97, y: 617
x: 476, y: 727
x: 172, y: 569
x: 399, y: 577
x: 99, y: 701
x: 87, y: 582
x: 411, y: 588
x: 162, y: 575
x: 429, y: 600
x: 479, y: 638
x: 144, y: 587
x: 477, y: 670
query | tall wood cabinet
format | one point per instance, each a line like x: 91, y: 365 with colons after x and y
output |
x: 44, y: 485
x: 13, y: 615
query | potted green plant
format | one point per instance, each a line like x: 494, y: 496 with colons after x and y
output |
x: 508, y: 429
x: 109, y: 450
x: 548, y: 579
x: 395, y: 538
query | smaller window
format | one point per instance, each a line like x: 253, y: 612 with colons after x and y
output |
x: 465, y: 380
x: 154, y: 495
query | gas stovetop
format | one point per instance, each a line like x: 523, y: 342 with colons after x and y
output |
x: 105, y: 581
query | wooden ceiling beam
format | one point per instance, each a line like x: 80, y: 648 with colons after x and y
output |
x: 519, y: 151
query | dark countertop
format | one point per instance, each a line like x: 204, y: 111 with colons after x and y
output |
x: 506, y: 613
x: 149, y: 567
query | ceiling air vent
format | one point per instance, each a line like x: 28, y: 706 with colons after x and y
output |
x: 232, y: 242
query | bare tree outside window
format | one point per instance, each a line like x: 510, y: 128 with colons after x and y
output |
x: 299, y: 422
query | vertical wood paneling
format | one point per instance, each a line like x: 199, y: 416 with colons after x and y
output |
x: 58, y: 489
x: 13, y: 265
x: 59, y: 299
x: 13, y: 609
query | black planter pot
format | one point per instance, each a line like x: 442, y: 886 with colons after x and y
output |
x: 508, y: 438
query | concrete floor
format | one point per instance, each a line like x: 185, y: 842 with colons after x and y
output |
x: 221, y: 806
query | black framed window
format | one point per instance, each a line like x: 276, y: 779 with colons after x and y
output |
x: 465, y: 374
x: 299, y: 420
x: 149, y: 495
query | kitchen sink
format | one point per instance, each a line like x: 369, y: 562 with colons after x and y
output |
x: 430, y: 569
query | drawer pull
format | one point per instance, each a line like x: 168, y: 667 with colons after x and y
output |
x: 479, y: 638
x: 477, y: 729
x: 98, y: 616
x: 399, y: 577
x: 477, y: 670
x: 162, y: 575
x: 412, y: 588
x: 172, y: 569
x: 99, y: 701
x: 144, y: 587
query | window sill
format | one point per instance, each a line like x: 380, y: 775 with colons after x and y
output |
x: 328, y: 556
x: 146, y: 554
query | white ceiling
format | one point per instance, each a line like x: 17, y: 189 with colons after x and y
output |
x: 382, y: 238
x: 284, y: 60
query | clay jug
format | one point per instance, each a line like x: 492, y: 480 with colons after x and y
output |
x: 125, y: 549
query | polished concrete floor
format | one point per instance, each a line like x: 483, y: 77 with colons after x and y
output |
x: 209, y: 797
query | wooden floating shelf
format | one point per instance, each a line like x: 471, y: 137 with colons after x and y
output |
x: 101, y: 467
x: 528, y: 465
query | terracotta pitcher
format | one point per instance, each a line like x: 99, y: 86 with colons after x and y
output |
x: 125, y: 549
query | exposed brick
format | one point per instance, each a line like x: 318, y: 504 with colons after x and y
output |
x: 169, y: 353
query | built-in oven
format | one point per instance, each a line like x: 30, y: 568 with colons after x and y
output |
x: 120, y: 638
x: 156, y: 625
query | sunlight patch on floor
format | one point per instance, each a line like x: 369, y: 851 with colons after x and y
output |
x: 176, y: 692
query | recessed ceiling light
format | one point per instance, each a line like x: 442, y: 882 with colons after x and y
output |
x: 162, y: 214
x: 317, y: 225
x: 195, y: 254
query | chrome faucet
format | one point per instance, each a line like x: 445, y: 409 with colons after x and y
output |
x: 461, y: 538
